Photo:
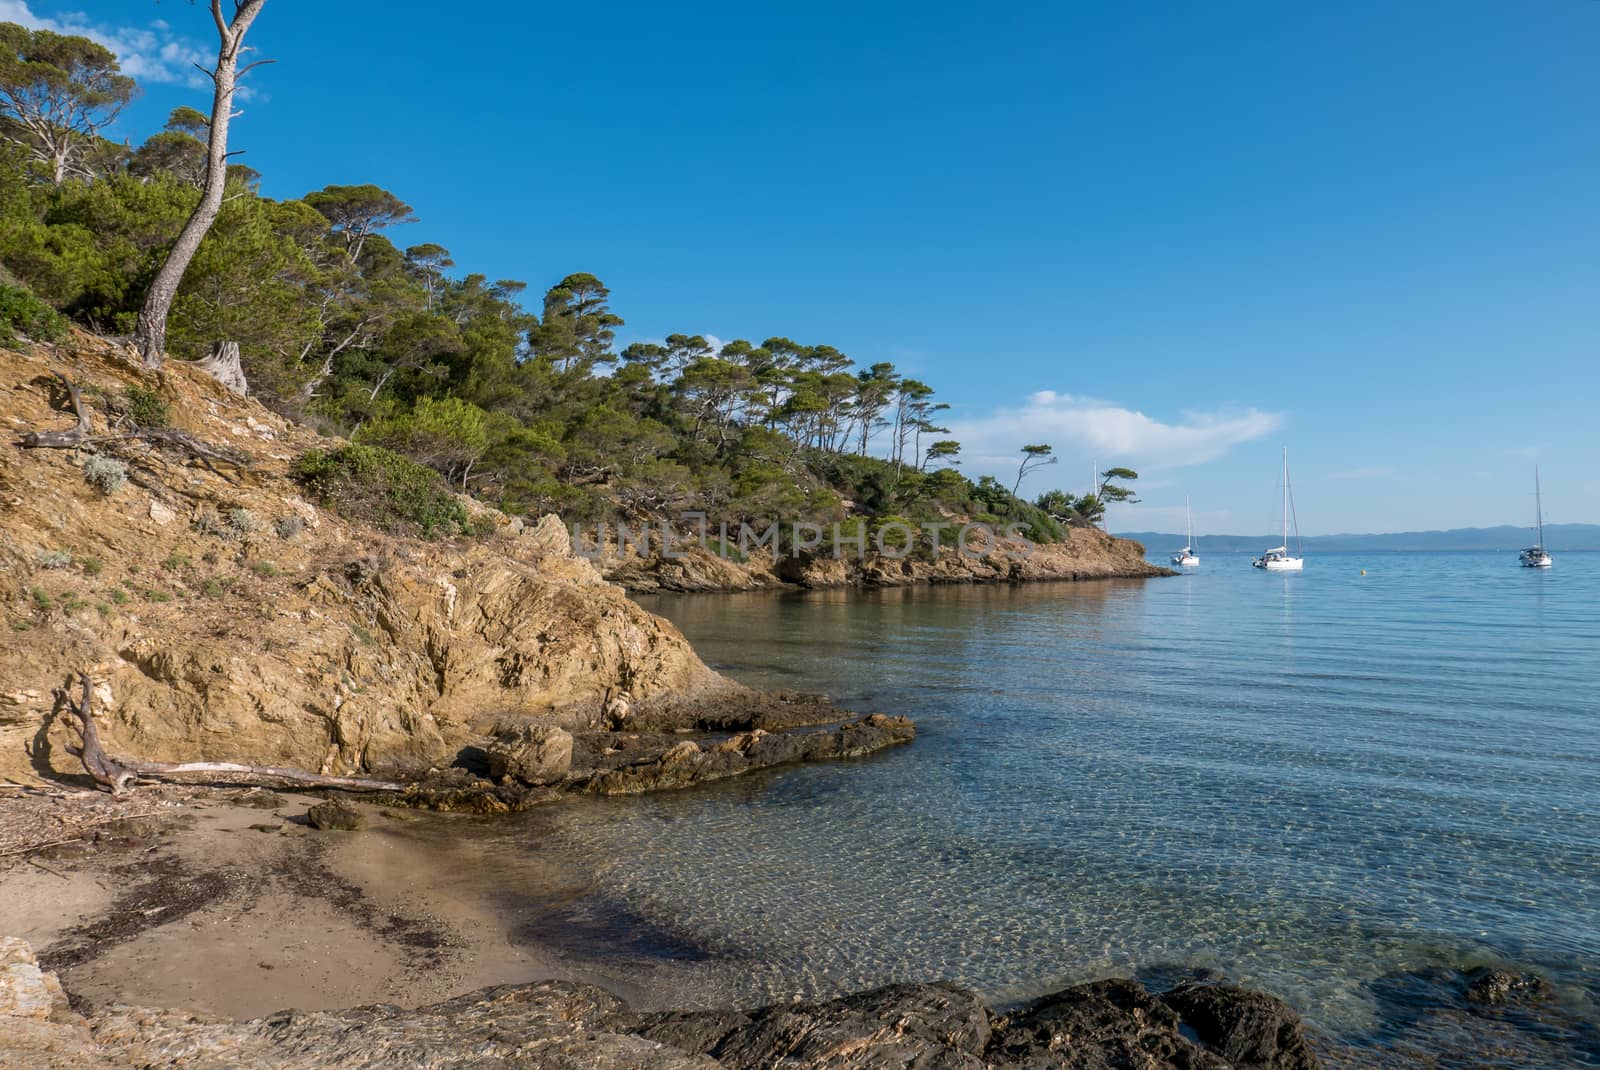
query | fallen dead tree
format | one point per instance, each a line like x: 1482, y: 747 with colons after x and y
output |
x: 118, y: 775
x: 82, y: 436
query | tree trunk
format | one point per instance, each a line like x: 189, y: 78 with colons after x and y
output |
x: 223, y: 366
x: 151, y: 335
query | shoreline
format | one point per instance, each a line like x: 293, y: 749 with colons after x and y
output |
x: 1085, y: 555
x: 227, y: 910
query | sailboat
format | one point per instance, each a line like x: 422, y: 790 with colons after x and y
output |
x: 1534, y: 556
x: 1186, y: 557
x: 1278, y: 559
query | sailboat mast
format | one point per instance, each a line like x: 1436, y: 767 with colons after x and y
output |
x: 1538, y: 509
x: 1286, y: 499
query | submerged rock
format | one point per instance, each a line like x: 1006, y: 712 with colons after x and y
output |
x: 1480, y: 1018
x: 1491, y: 987
x: 336, y: 816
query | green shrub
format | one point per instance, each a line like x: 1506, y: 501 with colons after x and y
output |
x: 119, y: 596
x: 42, y: 599
x: 382, y: 488
x: 145, y: 408
x: 21, y: 313
x: 91, y: 566
x: 54, y: 559
x: 728, y: 551
x: 265, y: 568
x: 242, y: 521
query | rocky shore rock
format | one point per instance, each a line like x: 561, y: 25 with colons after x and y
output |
x: 630, y: 763
x: 1108, y: 1025
x: 336, y: 816
x: 1087, y: 554
x: 1251, y: 1030
x: 532, y: 754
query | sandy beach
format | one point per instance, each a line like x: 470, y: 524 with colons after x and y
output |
x: 230, y: 904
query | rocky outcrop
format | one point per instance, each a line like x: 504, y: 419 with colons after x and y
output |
x: 38, y: 1029
x: 532, y: 754
x: 623, y: 770
x: 550, y: 1026
x: 558, y: 1025
x: 1087, y: 554
x: 940, y: 1027
x: 223, y: 617
x: 521, y: 774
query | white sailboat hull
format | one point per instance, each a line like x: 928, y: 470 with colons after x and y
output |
x: 1535, y: 559
x: 1278, y: 559
x: 1186, y: 557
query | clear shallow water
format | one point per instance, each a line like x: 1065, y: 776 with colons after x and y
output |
x: 1308, y: 781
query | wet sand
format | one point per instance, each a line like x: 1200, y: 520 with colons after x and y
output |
x: 232, y: 905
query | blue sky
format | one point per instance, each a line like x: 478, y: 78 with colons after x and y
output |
x: 1166, y: 234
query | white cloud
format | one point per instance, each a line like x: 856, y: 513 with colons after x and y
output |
x: 152, y: 54
x: 1102, y: 431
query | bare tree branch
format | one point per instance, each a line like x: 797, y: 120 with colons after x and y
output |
x: 62, y: 440
x: 118, y: 775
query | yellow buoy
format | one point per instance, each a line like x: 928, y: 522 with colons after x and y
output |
x: 1363, y: 572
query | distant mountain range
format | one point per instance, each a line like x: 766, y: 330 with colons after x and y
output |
x: 1557, y: 537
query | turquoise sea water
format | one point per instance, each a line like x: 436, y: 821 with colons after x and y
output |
x: 1308, y: 781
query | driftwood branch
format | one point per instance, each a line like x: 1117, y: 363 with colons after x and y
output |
x: 64, y: 440
x: 106, y: 772
x: 181, y: 770
x: 119, y: 774
x: 180, y: 440
x: 83, y: 435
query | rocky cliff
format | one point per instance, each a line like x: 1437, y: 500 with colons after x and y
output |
x: 222, y: 615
